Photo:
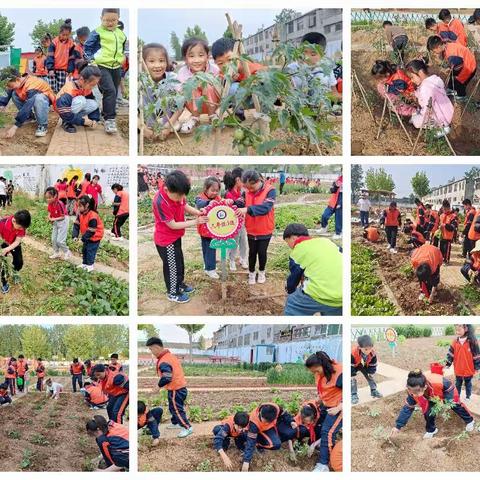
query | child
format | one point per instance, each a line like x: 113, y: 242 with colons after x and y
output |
x: 395, y: 84
x: 440, y: 29
x: 12, y: 230
x: 169, y: 207
x: 10, y: 190
x: 38, y: 64
x: 334, y: 207
x: 471, y: 267
x: 105, y: 47
x: 77, y: 370
x: 431, y: 95
x: 371, y: 234
x: 115, y: 365
x: 448, y: 228
x: 461, y: 61
x: 54, y: 389
x: 120, y: 210
x: 72, y: 189
x: 422, y: 388
x: 58, y: 216
x: 22, y: 369
x: 61, y: 187
x: 470, y: 213
x: 392, y: 219
x: 60, y: 60
x: 116, y: 386
x: 94, y: 396
x: 82, y: 35
x: 32, y: 96
x: 329, y: 379
x: 433, y: 221
x: 259, y: 214
x: 426, y: 261
x: 233, y: 191
x: 40, y: 371
x: 364, y: 360
x: 453, y: 25
x: 4, y: 397
x: 364, y: 206
x: 262, y: 432
x: 233, y: 427
x: 211, y: 193
x: 90, y: 226
x: 315, y: 281
x: 396, y: 37
x: 150, y: 419
x: 89, y: 367
x: 172, y: 378
x: 75, y: 103
x: 94, y: 190
x: 464, y: 353
x: 417, y: 239
x: 195, y: 53
x: 112, y: 440
x: 11, y: 375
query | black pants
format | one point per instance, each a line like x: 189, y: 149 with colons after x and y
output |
x: 3, y: 201
x: 118, y: 222
x: 458, y: 408
x: 281, y: 188
x: 467, y: 246
x: 77, y: 378
x: 9, y: 198
x: 459, y: 87
x: 391, y: 233
x: 17, y: 261
x: 459, y: 381
x: 109, y: 88
x: 39, y: 384
x: 258, y: 248
x: 12, y: 386
x: 434, y: 281
x: 446, y: 249
x: 173, y: 266
x: 400, y: 42
x: 22, y: 386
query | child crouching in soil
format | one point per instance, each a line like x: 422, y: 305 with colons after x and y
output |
x: 4, y: 396
x: 364, y: 360
x: 58, y: 216
x: 169, y: 207
x: 422, y: 390
x: 54, y: 389
x: 426, y: 262
x: 90, y: 226
x: 471, y: 268
x: 151, y: 419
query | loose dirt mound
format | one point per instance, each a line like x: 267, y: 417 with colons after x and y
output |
x: 409, y: 452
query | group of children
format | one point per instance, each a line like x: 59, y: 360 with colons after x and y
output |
x: 64, y: 75
x: 427, y: 387
x: 412, y: 90
x: 218, y: 60
x: 318, y: 421
x: 431, y: 234
x: 6, y: 192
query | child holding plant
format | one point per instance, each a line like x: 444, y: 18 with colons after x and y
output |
x: 169, y: 207
x: 425, y: 390
x: 464, y: 354
x: 150, y: 419
x: 54, y: 389
x: 471, y: 268
x: 58, y: 217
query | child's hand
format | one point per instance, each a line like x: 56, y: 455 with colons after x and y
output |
x: 202, y: 219
x: 311, y: 450
x: 202, y: 211
x: 227, y: 462
x: 5, y: 252
x: 245, y: 466
x: 11, y: 131
x: 228, y: 201
x: 243, y: 211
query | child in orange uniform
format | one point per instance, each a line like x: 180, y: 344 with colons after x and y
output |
x: 392, y: 219
x: 77, y: 370
x: 40, y: 371
x: 471, y: 268
x: 453, y: 25
x: 22, y: 369
x: 426, y: 262
x: 38, y: 64
x: 464, y: 354
x: 150, y: 419
x: 11, y: 375
x: 94, y: 396
x: 115, y: 365
x: 120, y: 209
x: 371, y: 234
x: 4, y: 397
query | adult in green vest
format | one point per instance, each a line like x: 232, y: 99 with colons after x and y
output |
x: 314, y: 285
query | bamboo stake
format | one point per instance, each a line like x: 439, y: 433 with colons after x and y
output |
x: 470, y: 97
x: 360, y: 87
x: 425, y: 120
x: 392, y: 106
x: 381, y: 120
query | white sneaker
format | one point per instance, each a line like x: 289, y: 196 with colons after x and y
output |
x: 244, y: 263
x: 67, y: 255
x: 393, y: 250
x: 252, y: 278
x: 233, y: 266
x: 336, y: 237
x: 470, y: 426
x: 430, y: 434
x: 116, y: 239
x: 322, y: 230
x: 185, y: 432
x: 82, y: 266
x: 111, y: 126
x: 212, y: 274
x: 261, y: 277
x: 55, y: 255
x: 320, y: 467
x: 388, y: 247
x: 88, y: 268
x: 421, y: 296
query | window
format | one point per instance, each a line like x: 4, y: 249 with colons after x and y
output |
x: 290, y: 27
x: 300, y: 25
x: 312, y: 21
x: 260, y: 36
x: 328, y: 28
x: 269, y: 332
x: 255, y: 336
x: 333, y: 329
x: 240, y: 341
x: 256, y: 49
x: 338, y: 27
x: 246, y: 339
x: 270, y: 350
x: 321, y: 329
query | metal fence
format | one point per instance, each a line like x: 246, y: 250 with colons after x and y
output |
x: 398, y: 18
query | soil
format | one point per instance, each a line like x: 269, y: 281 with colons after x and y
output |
x: 409, y: 452
x: 64, y: 447
x: 209, y: 382
x: 464, y: 135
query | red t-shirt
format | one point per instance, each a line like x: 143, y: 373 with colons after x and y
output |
x: 8, y: 232
x: 57, y: 209
x: 233, y: 194
x: 94, y: 191
x: 165, y: 210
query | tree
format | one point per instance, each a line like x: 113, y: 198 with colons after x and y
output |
x: 420, y: 184
x: 7, y: 33
x: 286, y: 15
x: 110, y: 339
x: 472, y: 174
x: 379, y: 180
x: 55, y: 339
x: 35, y: 342
x: 191, y: 329
x: 176, y: 46
x: 41, y: 28
x: 148, y: 328
x: 357, y: 180
x: 202, y: 343
x: 80, y: 341
x: 10, y: 340
x: 195, y: 32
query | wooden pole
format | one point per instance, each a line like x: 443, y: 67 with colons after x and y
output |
x: 364, y: 96
x: 381, y: 120
x: 425, y: 120
x: 392, y: 107
x: 470, y: 97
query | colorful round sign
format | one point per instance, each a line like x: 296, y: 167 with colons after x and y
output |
x: 223, y: 221
x: 391, y: 335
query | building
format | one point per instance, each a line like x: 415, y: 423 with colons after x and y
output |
x: 328, y: 21
x: 455, y: 192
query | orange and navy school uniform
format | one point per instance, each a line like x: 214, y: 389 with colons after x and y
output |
x: 260, y: 217
x: 391, y: 217
x: 114, y: 445
x: 433, y: 220
x: 22, y: 369
x: 38, y: 65
x: 417, y: 239
x: 465, y: 359
x: 61, y: 56
x: 151, y: 419
x: 120, y: 211
x: 457, y: 30
x: 432, y: 256
x: 4, y: 396
x: 172, y: 379
x: 399, y: 83
x: 40, y: 371
x: 64, y: 99
x: 312, y: 431
x: 11, y: 377
x: 474, y: 231
x: 437, y: 386
x: 117, y: 367
x: 261, y: 434
x: 462, y: 60
x: 469, y: 218
x: 240, y: 74
x: 29, y: 88
x: 94, y: 395
x: 90, y: 226
x: 116, y: 386
x: 78, y: 52
x: 77, y: 369
x: 371, y: 234
x: 223, y: 433
x: 360, y: 361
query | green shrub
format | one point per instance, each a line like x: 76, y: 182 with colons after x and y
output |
x: 449, y: 330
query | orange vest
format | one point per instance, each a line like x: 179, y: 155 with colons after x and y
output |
x: 40, y: 370
x: 233, y: 432
x: 475, y: 257
x: 85, y: 219
x: 419, y: 236
x: 428, y: 254
x: 40, y: 70
x: 71, y: 189
x: 436, y: 218
x: 80, y: 49
x: 469, y: 62
x: 21, y: 367
x: 76, y: 368
x: 97, y: 396
x: 264, y: 426
x: 463, y: 362
x: 311, y: 427
x: 33, y: 83
x: 434, y: 389
x: 11, y: 371
x: 456, y: 26
x: 467, y: 214
x: 401, y: 75
x: 391, y: 219
x: 62, y: 53
x: 333, y: 200
x: 123, y: 207
x: 142, y: 419
x: 117, y: 430
x: 329, y: 393
x: 357, y: 357
x: 372, y: 234
x: 178, y: 378
x: 115, y: 368
x: 445, y: 219
x: 72, y: 89
x: 472, y: 234
x: 109, y: 388
x: 263, y: 224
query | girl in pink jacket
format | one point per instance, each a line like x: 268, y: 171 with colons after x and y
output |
x: 430, y: 87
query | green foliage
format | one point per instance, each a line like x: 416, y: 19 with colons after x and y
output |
x: 379, y: 179
x: 309, y: 215
x: 401, y: 339
x: 7, y: 32
x: 407, y: 270
x: 27, y: 459
x: 289, y: 374
x: 41, y: 28
x: 443, y: 343
x: 449, y: 330
x: 35, y: 342
x: 14, y: 435
x: 357, y: 180
x: 39, y: 439
x: 420, y: 184
x: 195, y: 32
x: 413, y: 331
x: 442, y: 408
x: 176, y: 45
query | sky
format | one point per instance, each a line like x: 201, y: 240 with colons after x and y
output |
x: 212, y: 21
x: 89, y: 17
x: 437, y: 174
x: 172, y: 333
